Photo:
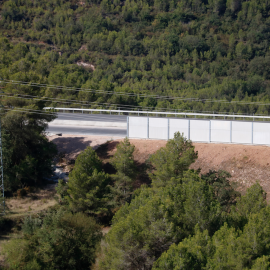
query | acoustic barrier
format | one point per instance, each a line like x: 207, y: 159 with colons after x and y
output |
x: 138, y: 127
x: 219, y: 131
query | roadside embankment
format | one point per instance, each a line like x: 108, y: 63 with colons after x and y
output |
x: 246, y: 163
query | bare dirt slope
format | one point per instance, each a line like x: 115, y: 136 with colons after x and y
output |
x: 247, y: 164
x: 71, y: 145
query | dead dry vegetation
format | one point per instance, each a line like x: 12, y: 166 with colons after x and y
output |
x: 34, y: 202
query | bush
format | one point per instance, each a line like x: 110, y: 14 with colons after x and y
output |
x: 61, y: 240
x: 21, y: 193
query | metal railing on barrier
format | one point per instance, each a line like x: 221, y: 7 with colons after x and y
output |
x: 166, y: 114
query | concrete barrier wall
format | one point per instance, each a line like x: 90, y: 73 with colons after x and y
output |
x: 241, y: 132
x: 261, y: 133
x: 220, y: 131
x: 138, y: 127
x: 181, y: 125
x: 200, y: 130
x: 158, y: 128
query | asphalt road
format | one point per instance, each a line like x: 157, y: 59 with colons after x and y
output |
x: 89, y: 130
x: 92, y: 117
x: 85, y: 130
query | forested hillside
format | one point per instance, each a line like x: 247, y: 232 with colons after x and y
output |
x: 183, y: 220
x: 201, y: 49
x: 200, y: 55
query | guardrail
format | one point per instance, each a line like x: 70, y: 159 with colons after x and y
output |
x: 147, y: 113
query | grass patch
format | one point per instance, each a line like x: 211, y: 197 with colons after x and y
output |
x: 32, y: 203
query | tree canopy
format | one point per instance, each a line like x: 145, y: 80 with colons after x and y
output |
x: 202, y: 49
x: 88, y: 186
x: 154, y: 220
x: 187, y: 55
x: 172, y: 160
x: 27, y: 153
x: 123, y: 161
x: 228, y: 248
x: 60, y: 240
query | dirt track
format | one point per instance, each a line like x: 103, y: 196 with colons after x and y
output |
x: 247, y: 164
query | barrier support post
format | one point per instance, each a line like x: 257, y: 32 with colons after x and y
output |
x: 189, y: 129
x: 230, y: 131
x: 168, y: 128
x: 127, y: 126
x: 147, y: 127
x: 210, y: 131
x: 251, y: 132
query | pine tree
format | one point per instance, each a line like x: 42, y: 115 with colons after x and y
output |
x: 172, y: 160
x: 123, y: 161
x: 88, y: 185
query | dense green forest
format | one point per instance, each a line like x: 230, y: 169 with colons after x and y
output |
x: 206, y: 55
x: 183, y: 220
x: 203, y: 49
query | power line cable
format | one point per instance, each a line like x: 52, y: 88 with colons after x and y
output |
x: 48, y: 99
x: 2, y: 186
x: 89, y: 90
x: 108, y: 105
x: 25, y: 110
x: 57, y: 87
x: 69, y: 100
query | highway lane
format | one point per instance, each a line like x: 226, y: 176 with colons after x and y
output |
x: 92, y: 117
x: 88, y: 130
x: 84, y: 129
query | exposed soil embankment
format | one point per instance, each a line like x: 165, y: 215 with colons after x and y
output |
x: 247, y: 164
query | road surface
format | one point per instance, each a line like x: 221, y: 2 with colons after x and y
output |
x: 86, y: 130
x: 89, y: 130
x: 92, y: 117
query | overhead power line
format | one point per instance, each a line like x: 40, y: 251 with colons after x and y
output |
x: 89, y: 90
x: 73, y: 101
x: 57, y: 87
x: 76, y: 102
x: 25, y: 110
x: 108, y: 105
x: 2, y: 186
x: 85, y: 103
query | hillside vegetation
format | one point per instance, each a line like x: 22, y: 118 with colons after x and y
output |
x: 183, y: 220
x: 207, y: 56
x: 201, y: 49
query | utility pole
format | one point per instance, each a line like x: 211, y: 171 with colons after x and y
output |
x: 2, y: 188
